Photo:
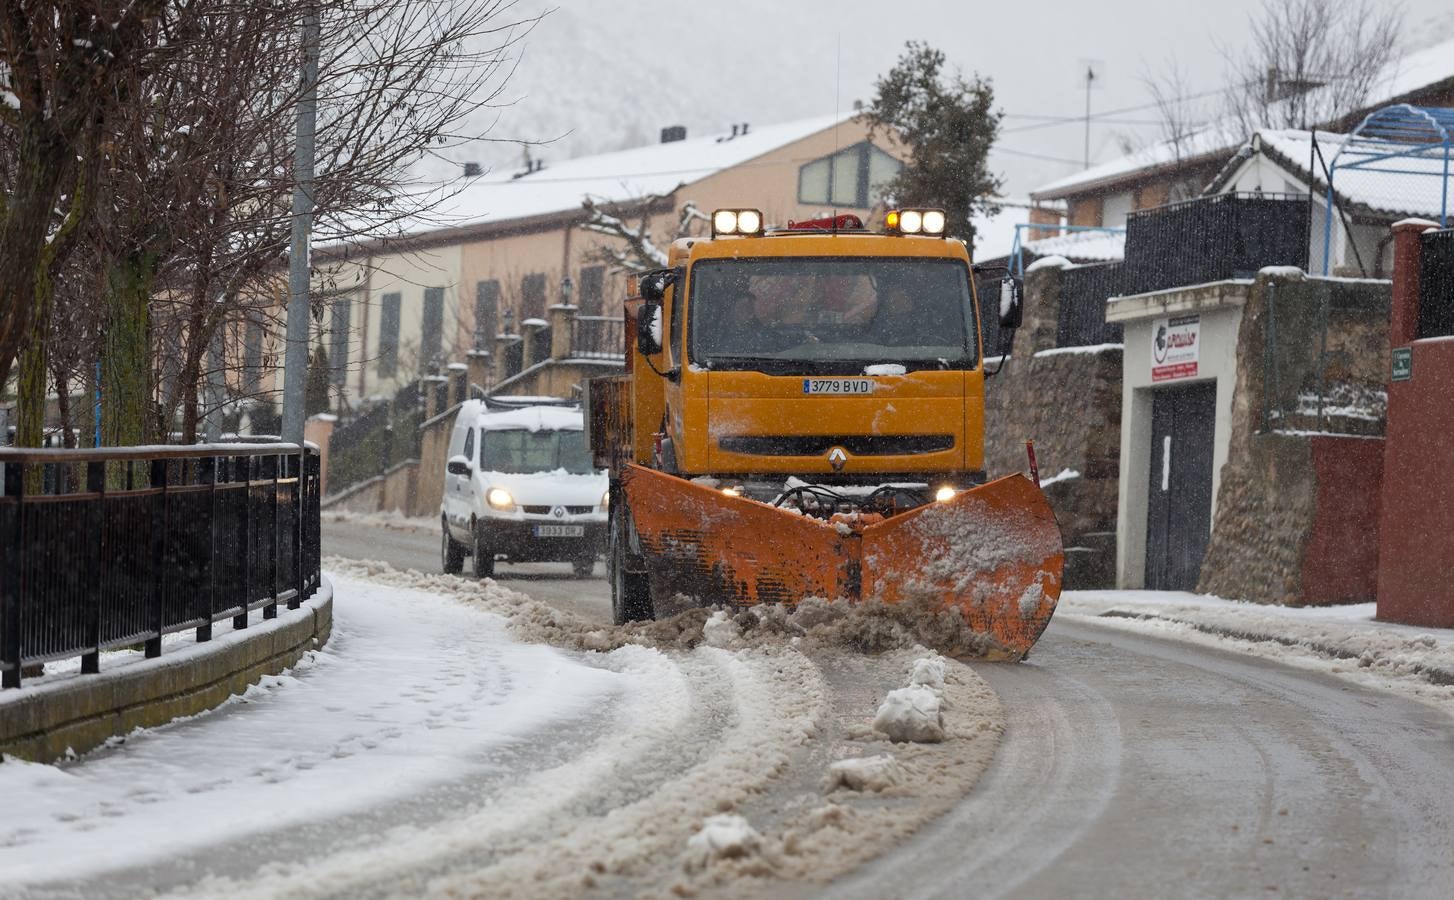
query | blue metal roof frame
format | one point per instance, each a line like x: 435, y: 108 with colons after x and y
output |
x: 1390, y: 134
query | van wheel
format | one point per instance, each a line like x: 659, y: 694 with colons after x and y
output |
x: 484, y: 555
x: 630, y: 591
x: 451, y: 554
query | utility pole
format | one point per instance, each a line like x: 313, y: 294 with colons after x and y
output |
x: 1090, y: 77
x: 295, y: 358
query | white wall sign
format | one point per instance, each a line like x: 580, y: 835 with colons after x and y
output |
x: 1176, y: 345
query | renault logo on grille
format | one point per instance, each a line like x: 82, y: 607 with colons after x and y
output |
x: 837, y: 458
x: 558, y: 512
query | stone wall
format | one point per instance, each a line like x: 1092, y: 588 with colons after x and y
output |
x: 1268, y: 508
x: 1068, y: 401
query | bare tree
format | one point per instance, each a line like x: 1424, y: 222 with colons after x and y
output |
x: 1310, y: 62
x: 1180, y: 118
x: 196, y: 176
x: 58, y: 96
x: 637, y: 250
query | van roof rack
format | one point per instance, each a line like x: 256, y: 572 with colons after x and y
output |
x: 502, y: 404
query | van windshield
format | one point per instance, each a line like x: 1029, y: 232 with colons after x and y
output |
x: 519, y: 451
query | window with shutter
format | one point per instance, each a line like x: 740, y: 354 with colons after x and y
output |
x: 389, y: 334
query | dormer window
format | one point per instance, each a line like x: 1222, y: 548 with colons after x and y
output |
x: 854, y: 177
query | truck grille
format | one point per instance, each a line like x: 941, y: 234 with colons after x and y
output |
x: 856, y: 445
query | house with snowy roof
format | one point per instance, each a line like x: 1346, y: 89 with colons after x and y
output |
x: 501, y: 274
x: 1168, y: 171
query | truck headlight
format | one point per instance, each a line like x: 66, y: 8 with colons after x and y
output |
x: 500, y: 498
x: 945, y: 494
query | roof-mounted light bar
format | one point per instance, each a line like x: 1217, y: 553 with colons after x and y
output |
x: 744, y: 222
x: 915, y: 221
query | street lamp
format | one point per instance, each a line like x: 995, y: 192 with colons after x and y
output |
x: 567, y: 287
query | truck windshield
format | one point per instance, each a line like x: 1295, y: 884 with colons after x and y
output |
x: 516, y: 450
x: 831, y: 314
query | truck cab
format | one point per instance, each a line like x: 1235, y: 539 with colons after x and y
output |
x: 819, y: 350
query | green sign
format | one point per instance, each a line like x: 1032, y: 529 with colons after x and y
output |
x: 1403, y: 363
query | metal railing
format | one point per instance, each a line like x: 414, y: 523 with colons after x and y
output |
x: 1081, y: 318
x: 597, y: 337
x: 1436, y: 284
x: 126, y: 545
x: 1215, y: 238
x: 381, y: 436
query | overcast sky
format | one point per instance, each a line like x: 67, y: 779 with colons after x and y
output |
x: 610, y: 73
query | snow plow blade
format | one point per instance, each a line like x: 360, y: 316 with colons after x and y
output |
x: 994, y: 552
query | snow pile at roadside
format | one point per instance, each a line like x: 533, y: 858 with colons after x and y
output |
x: 813, y: 624
x: 1341, y: 640
x: 392, y: 520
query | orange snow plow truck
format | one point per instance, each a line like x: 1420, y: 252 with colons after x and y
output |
x: 802, y: 415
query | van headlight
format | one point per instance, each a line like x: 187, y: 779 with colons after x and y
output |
x: 606, y: 501
x: 500, y: 498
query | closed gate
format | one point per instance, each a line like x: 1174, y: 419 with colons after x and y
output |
x: 1179, y: 505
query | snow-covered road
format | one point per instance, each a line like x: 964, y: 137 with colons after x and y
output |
x: 414, y: 703
x: 428, y: 750
x: 1139, y: 767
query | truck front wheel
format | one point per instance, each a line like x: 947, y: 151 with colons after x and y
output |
x: 630, y: 590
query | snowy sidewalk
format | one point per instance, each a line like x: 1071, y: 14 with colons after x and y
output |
x: 1341, y: 640
x: 413, y: 690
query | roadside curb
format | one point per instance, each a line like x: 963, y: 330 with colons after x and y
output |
x: 1432, y: 674
x: 51, y: 721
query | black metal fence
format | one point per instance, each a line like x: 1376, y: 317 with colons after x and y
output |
x: 1214, y: 238
x: 598, y: 337
x: 124, y: 546
x: 1081, y: 319
x: 1436, y: 284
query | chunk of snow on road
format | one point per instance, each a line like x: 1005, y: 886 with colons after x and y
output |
x: 910, y: 714
x: 928, y: 671
x: 884, y: 369
x: 722, y: 837
x: 720, y: 630
x: 865, y: 773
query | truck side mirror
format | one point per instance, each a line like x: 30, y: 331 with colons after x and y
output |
x: 652, y: 285
x: 648, y: 327
x: 458, y: 465
x: 1012, y: 303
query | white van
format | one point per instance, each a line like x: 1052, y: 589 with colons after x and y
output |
x: 519, y: 484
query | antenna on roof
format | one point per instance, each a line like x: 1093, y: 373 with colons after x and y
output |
x: 1094, y: 70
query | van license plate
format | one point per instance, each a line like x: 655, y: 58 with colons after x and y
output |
x: 560, y: 531
x: 838, y: 386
